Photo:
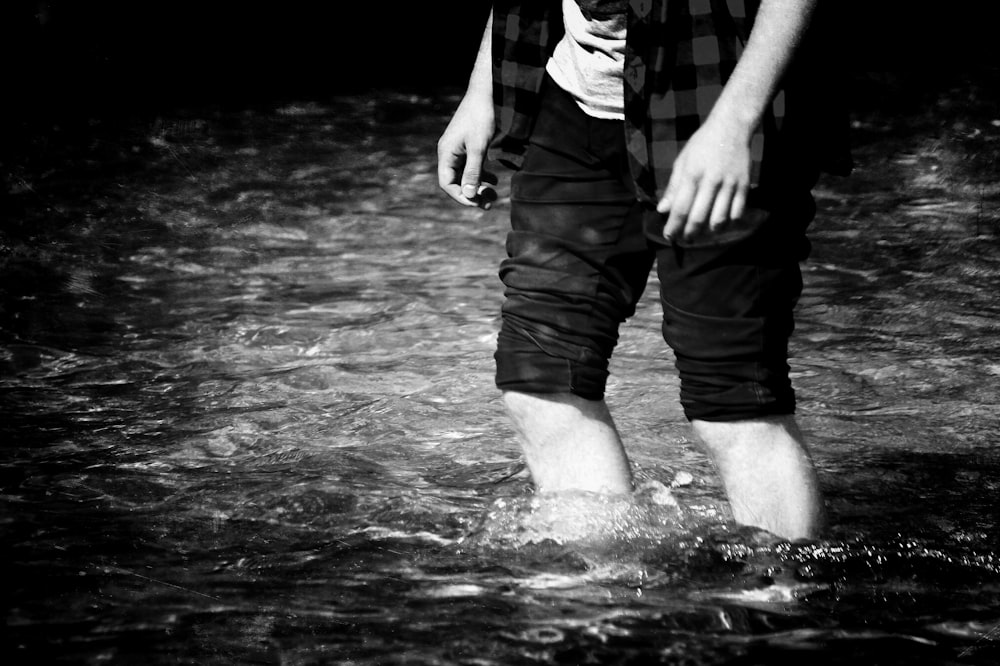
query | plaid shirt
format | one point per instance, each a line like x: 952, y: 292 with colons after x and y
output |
x: 678, y: 56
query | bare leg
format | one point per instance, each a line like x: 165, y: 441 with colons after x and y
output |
x: 569, y: 443
x: 767, y: 474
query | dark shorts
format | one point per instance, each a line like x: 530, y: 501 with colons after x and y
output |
x: 579, y: 254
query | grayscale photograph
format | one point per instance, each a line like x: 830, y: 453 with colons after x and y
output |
x: 499, y: 333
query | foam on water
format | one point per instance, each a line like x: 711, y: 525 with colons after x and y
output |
x: 648, y: 516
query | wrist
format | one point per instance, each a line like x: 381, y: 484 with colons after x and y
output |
x: 478, y: 103
x: 739, y: 121
x: 479, y: 93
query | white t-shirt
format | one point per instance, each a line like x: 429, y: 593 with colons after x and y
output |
x: 587, y: 62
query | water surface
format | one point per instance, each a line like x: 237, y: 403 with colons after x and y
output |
x: 246, y: 380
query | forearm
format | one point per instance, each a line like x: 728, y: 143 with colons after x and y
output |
x: 481, y: 80
x: 777, y: 30
x: 463, y: 145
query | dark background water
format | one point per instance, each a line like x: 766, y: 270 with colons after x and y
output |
x: 114, y: 54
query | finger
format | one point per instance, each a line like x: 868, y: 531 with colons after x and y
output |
x: 669, y: 198
x: 448, y: 179
x: 472, y: 174
x: 446, y: 171
x: 680, y: 205
x: 701, y: 209
x: 666, y: 202
x: 738, y: 207
x: 722, y: 206
x: 454, y: 190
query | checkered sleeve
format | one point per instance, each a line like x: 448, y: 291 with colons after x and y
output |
x: 679, y: 55
x: 524, y: 35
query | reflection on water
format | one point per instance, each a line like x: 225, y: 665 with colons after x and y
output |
x: 249, y: 418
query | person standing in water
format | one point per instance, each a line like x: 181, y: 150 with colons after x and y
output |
x: 682, y: 132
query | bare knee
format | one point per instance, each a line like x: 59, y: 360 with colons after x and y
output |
x: 728, y: 438
x: 527, y: 405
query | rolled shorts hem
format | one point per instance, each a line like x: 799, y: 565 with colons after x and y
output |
x: 536, y: 372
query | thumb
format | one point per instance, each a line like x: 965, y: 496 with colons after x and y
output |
x: 472, y: 174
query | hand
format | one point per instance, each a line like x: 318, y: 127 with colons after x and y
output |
x: 462, y: 152
x: 709, y: 183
